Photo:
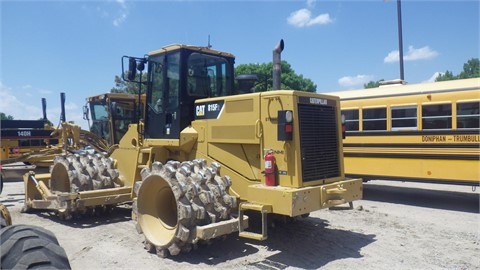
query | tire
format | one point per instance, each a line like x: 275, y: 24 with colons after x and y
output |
x: 5, y: 218
x: 1, y: 182
x: 83, y: 172
x: 31, y: 247
x: 176, y: 197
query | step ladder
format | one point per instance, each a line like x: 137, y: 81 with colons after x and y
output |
x: 264, y: 210
x: 144, y: 158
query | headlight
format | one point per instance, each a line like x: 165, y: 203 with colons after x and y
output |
x: 288, y: 116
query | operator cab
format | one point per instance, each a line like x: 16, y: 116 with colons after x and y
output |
x: 177, y: 76
x: 111, y: 114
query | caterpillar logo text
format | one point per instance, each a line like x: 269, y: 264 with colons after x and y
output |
x: 209, y: 110
x: 200, y: 110
x: 318, y: 101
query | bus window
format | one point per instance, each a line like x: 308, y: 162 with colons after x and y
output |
x: 438, y: 116
x: 351, y: 119
x: 468, y: 115
x: 374, y: 119
x: 404, y: 117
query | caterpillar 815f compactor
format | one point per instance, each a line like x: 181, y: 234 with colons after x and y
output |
x: 204, y: 153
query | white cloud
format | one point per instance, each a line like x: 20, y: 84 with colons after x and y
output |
x: 122, y: 13
x: 120, y: 19
x: 122, y: 3
x: 411, y: 55
x: 45, y: 92
x: 392, y: 56
x: 353, y: 81
x: 11, y: 105
x: 422, y: 53
x: 434, y: 76
x: 14, y: 102
x: 303, y: 18
x: 115, y: 11
x: 311, y: 3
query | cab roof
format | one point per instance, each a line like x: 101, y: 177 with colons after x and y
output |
x: 174, y: 47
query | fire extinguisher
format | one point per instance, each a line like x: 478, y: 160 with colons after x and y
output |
x: 269, y: 169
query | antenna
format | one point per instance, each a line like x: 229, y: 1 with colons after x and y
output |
x: 209, y: 45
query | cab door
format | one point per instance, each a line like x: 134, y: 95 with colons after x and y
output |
x: 163, y: 112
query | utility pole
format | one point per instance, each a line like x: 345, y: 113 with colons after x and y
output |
x: 400, y: 42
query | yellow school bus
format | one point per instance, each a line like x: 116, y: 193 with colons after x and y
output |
x: 425, y: 132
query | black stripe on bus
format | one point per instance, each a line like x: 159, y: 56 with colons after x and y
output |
x: 411, y: 94
x: 414, y: 132
x: 412, y: 145
x: 412, y: 156
x: 367, y: 177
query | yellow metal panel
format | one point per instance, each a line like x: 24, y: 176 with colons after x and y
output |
x: 234, y: 133
x: 236, y: 106
x: 244, y: 159
x: 236, y: 123
x: 298, y: 201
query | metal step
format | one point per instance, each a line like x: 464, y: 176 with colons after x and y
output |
x: 264, y: 210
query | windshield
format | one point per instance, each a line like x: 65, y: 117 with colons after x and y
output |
x: 207, y: 75
x: 100, y: 121
x: 161, y: 100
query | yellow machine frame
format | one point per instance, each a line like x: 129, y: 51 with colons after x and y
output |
x: 235, y: 132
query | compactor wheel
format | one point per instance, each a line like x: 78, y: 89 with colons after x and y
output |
x: 176, y: 197
x: 5, y: 218
x: 82, y: 172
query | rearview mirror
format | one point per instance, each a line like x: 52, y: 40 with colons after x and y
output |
x: 132, y: 69
x: 85, y: 113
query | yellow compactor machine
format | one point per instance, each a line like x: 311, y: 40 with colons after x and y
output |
x: 204, y: 153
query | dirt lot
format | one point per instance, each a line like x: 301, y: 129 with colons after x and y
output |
x: 396, y: 226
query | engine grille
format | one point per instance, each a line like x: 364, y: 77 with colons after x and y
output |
x: 319, y: 142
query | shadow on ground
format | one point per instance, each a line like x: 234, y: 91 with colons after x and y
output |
x: 438, y: 199
x: 115, y: 215
x: 306, y: 243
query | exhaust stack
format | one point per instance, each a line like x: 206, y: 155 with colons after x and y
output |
x: 62, y: 104
x: 44, y: 109
x: 277, y: 65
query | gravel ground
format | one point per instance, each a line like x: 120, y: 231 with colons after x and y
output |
x: 396, y: 226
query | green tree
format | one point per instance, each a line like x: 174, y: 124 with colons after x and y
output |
x: 447, y: 76
x: 5, y: 117
x: 289, y: 79
x: 372, y: 84
x: 122, y: 86
x: 471, y: 69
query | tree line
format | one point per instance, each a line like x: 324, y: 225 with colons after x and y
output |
x: 471, y: 69
x: 290, y: 80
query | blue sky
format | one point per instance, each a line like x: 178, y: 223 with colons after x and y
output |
x: 48, y: 47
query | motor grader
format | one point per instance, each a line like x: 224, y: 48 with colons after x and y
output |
x: 111, y: 113
x: 33, y: 144
x: 204, y: 153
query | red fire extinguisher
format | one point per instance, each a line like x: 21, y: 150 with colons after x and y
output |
x: 269, y: 169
